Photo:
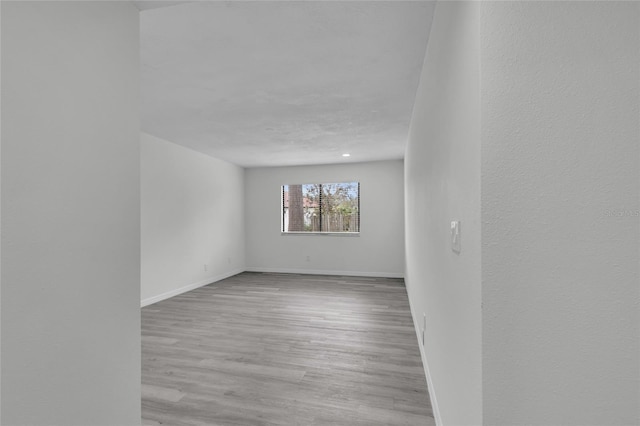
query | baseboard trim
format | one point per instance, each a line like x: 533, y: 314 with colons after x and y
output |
x: 425, y: 364
x: 327, y: 272
x: 160, y: 297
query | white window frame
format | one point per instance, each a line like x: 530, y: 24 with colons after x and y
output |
x: 318, y: 233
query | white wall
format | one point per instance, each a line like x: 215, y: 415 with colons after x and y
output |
x: 192, y: 216
x: 70, y: 214
x: 560, y: 152
x: 378, y: 251
x: 0, y: 214
x: 442, y: 178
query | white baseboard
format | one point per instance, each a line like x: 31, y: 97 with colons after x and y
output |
x: 425, y: 364
x: 327, y: 272
x: 154, y: 299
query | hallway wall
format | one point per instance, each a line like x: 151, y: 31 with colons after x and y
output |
x: 70, y: 219
x: 442, y: 184
x: 526, y: 129
x: 560, y: 202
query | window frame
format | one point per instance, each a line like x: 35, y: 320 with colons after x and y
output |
x: 319, y: 233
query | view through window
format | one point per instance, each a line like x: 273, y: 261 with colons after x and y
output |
x: 321, y: 207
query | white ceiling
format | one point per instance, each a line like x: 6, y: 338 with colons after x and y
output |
x: 272, y: 83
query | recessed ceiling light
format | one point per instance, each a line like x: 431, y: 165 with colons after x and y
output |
x: 346, y: 155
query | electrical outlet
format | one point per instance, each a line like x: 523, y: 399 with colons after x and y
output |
x: 229, y: 260
x: 205, y: 267
x: 308, y: 259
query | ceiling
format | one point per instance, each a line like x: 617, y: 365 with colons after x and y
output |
x: 274, y: 83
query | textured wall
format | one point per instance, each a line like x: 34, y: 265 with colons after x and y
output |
x: 70, y: 214
x: 442, y: 183
x: 560, y: 256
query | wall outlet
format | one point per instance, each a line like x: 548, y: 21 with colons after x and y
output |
x: 308, y: 259
x: 206, y: 267
x: 229, y: 260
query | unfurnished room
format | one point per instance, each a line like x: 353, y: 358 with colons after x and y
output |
x: 319, y: 213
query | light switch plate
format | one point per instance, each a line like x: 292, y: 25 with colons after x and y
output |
x: 456, y: 236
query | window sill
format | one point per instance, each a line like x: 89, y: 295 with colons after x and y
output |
x: 323, y: 234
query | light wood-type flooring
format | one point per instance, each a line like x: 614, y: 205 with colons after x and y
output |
x: 284, y: 349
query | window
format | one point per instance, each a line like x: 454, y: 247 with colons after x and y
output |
x: 321, y: 208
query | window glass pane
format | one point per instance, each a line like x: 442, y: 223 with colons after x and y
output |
x: 321, y: 207
x: 340, y: 207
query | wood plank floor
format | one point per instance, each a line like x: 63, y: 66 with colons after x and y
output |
x: 284, y: 349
